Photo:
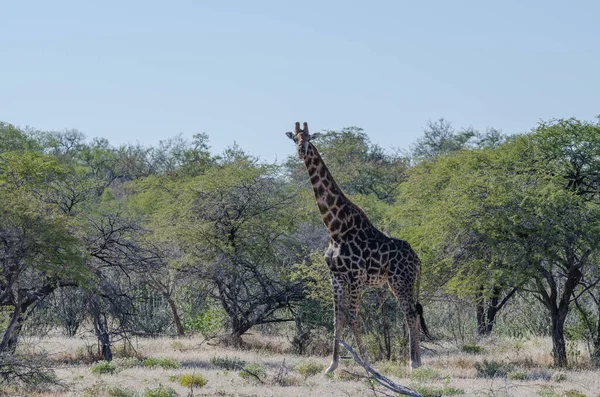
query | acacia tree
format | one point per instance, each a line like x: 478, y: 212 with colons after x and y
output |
x: 229, y: 225
x: 511, y: 215
x: 37, y: 251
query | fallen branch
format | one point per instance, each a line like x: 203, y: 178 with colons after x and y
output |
x: 377, y: 377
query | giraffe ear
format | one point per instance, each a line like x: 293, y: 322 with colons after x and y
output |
x: 290, y: 134
x: 314, y: 136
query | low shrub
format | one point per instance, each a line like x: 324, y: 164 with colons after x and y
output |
x: 163, y: 362
x: 472, y: 349
x: 103, y: 367
x: 118, y: 391
x: 229, y: 364
x: 192, y: 380
x: 161, y: 391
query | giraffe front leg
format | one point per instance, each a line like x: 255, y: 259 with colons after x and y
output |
x: 354, y: 307
x: 338, y: 321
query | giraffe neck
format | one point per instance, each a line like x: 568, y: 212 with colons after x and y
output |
x: 337, y: 211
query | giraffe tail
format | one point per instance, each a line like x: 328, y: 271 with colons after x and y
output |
x: 422, y: 321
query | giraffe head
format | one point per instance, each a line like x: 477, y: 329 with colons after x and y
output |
x: 301, y: 137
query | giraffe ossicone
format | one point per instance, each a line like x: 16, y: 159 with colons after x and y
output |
x: 359, y: 255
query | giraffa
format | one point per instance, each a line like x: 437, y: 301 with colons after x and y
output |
x: 359, y: 255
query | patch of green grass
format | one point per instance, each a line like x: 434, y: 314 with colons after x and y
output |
x: 192, y: 380
x: 118, y: 391
x: 163, y: 362
x: 161, y: 391
x: 103, y: 367
x: 424, y: 374
x: 432, y: 391
x: 227, y: 363
x: 559, y: 376
x: 472, y: 349
x: 309, y: 368
x: 253, y: 372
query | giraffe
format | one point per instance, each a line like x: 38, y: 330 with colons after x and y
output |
x: 359, y: 255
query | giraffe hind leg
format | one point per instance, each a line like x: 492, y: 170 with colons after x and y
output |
x: 411, y: 315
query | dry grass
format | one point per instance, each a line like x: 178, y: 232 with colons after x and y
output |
x: 447, y: 369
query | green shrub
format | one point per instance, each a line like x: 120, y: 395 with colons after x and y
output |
x: 517, y: 375
x: 229, y: 364
x: 161, y: 391
x: 163, y: 362
x: 308, y: 368
x: 424, y: 374
x: 472, y: 349
x: 253, y: 371
x: 103, y: 367
x: 118, y: 391
x: 192, y: 380
x: 492, y: 369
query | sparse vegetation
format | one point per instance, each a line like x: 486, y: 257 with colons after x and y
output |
x: 192, y: 380
x: 161, y: 391
x: 118, y: 391
x: 308, y: 368
x: 103, y: 367
x: 228, y: 363
x: 163, y: 362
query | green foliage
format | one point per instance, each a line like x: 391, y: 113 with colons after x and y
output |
x: 119, y: 391
x: 192, y: 380
x: 472, y: 349
x: 161, y: 391
x: 163, y: 362
x: 308, y: 368
x: 103, y: 367
x: 210, y: 321
x: 492, y: 369
x: 254, y: 372
x: 227, y: 363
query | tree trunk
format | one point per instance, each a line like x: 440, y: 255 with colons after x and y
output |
x: 101, y: 328
x: 596, y: 353
x: 559, y: 350
x: 11, y: 334
x: 176, y: 318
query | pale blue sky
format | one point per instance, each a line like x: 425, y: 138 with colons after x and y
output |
x: 245, y: 71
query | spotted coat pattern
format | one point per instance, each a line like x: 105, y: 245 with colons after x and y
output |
x: 359, y: 255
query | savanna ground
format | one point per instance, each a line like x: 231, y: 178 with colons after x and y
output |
x: 155, y: 368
